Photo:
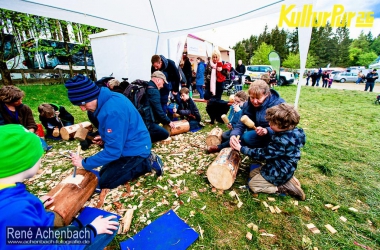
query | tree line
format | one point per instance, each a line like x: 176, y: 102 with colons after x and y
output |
x: 327, y: 47
x: 25, y: 26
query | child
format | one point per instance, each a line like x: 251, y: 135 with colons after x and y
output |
x: 20, y: 157
x: 53, y: 116
x: 234, y: 117
x: 281, y: 154
x: 188, y: 108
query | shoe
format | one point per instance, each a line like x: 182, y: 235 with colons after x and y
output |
x: 156, y: 163
x: 292, y: 189
x: 213, y: 149
x: 297, y: 182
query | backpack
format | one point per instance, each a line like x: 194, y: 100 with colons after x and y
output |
x: 136, y: 93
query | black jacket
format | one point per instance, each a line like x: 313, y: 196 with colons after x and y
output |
x: 240, y: 69
x: 171, y: 72
x: 189, y: 108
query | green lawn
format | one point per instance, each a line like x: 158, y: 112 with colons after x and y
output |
x: 340, y: 165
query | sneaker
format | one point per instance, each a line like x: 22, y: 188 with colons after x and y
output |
x: 292, y: 189
x: 156, y: 163
x: 297, y: 182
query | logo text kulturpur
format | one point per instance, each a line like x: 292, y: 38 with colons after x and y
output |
x: 337, y: 17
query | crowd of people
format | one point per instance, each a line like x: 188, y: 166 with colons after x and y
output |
x: 126, y: 137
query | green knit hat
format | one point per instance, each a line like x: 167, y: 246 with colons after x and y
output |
x: 20, y: 149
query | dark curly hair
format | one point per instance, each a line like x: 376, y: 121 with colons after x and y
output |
x: 284, y: 116
x: 10, y: 94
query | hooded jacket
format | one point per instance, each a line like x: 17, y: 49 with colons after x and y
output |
x: 20, y: 208
x: 172, y: 76
x: 122, y: 130
x: 281, y: 155
x: 257, y: 115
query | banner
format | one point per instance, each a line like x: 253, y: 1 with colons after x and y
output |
x: 275, y: 61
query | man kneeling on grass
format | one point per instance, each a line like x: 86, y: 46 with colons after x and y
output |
x: 281, y: 155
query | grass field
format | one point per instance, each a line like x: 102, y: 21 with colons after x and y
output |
x: 340, y: 165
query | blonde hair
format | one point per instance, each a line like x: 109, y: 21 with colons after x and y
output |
x: 216, y: 53
x: 284, y: 116
x: 258, y: 88
x: 184, y: 91
x: 265, y: 77
x: 112, y: 83
x: 46, y: 110
x: 10, y: 94
x: 242, y: 95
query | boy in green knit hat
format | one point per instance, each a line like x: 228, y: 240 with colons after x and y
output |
x: 20, y: 157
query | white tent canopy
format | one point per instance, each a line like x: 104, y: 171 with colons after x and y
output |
x: 158, y: 19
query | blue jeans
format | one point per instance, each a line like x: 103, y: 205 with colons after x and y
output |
x: 157, y: 133
x: 200, y: 91
x: 359, y: 80
x: 252, y: 140
x: 369, y: 85
x: 126, y: 168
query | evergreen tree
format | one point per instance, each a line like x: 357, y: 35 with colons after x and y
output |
x: 375, y: 46
x: 344, y: 41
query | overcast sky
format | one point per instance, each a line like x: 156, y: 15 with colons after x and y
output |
x: 231, y: 34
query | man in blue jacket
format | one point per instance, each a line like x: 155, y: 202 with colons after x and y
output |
x: 123, y: 135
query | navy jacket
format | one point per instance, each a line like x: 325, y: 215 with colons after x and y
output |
x: 189, y: 108
x: 257, y: 115
x: 153, y: 96
x: 172, y: 76
x: 281, y: 155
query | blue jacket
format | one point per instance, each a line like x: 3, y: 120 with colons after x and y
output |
x: 257, y: 115
x: 200, y: 78
x: 121, y: 128
x: 234, y: 117
x: 281, y: 155
x: 18, y: 207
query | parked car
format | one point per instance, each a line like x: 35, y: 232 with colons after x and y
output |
x: 345, y: 77
x: 255, y: 72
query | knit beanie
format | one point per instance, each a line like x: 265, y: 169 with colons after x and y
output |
x: 20, y: 149
x: 80, y: 90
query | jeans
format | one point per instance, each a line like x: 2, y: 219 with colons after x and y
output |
x: 325, y: 82
x: 157, y: 133
x: 194, y: 124
x: 200, y: 91
x: 252, y: 140
x: 358, y: 81
x: 369, y: 85
x: 126, y: 168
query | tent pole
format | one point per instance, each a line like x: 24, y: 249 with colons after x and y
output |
x: 158, y: 39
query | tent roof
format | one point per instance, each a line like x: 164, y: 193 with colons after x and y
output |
x: 166, y: 17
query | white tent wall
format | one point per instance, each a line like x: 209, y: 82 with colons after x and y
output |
x: 124, y: 55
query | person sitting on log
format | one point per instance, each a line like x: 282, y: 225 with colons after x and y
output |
x: 20, y: 156
x: 123, y: 135
x: 157, y: 133
x: 54, y: 116
x: 188, y: 109
x: 13, y: 111
x: 234, y: 116
x: 261, y: 97
x: 281, y: 155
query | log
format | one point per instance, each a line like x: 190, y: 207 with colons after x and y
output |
x: 68, y: 131
x: 182, y: 126
x: 214, y: 137
x: 222, y: 171
x: 81, y: 134
x: 72, y: 193
x: 56, y: 132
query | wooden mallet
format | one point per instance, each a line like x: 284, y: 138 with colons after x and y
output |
x: 248, y: 122
x: 225, y: 119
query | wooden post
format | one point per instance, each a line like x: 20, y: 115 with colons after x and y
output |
x: 23, y: 77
